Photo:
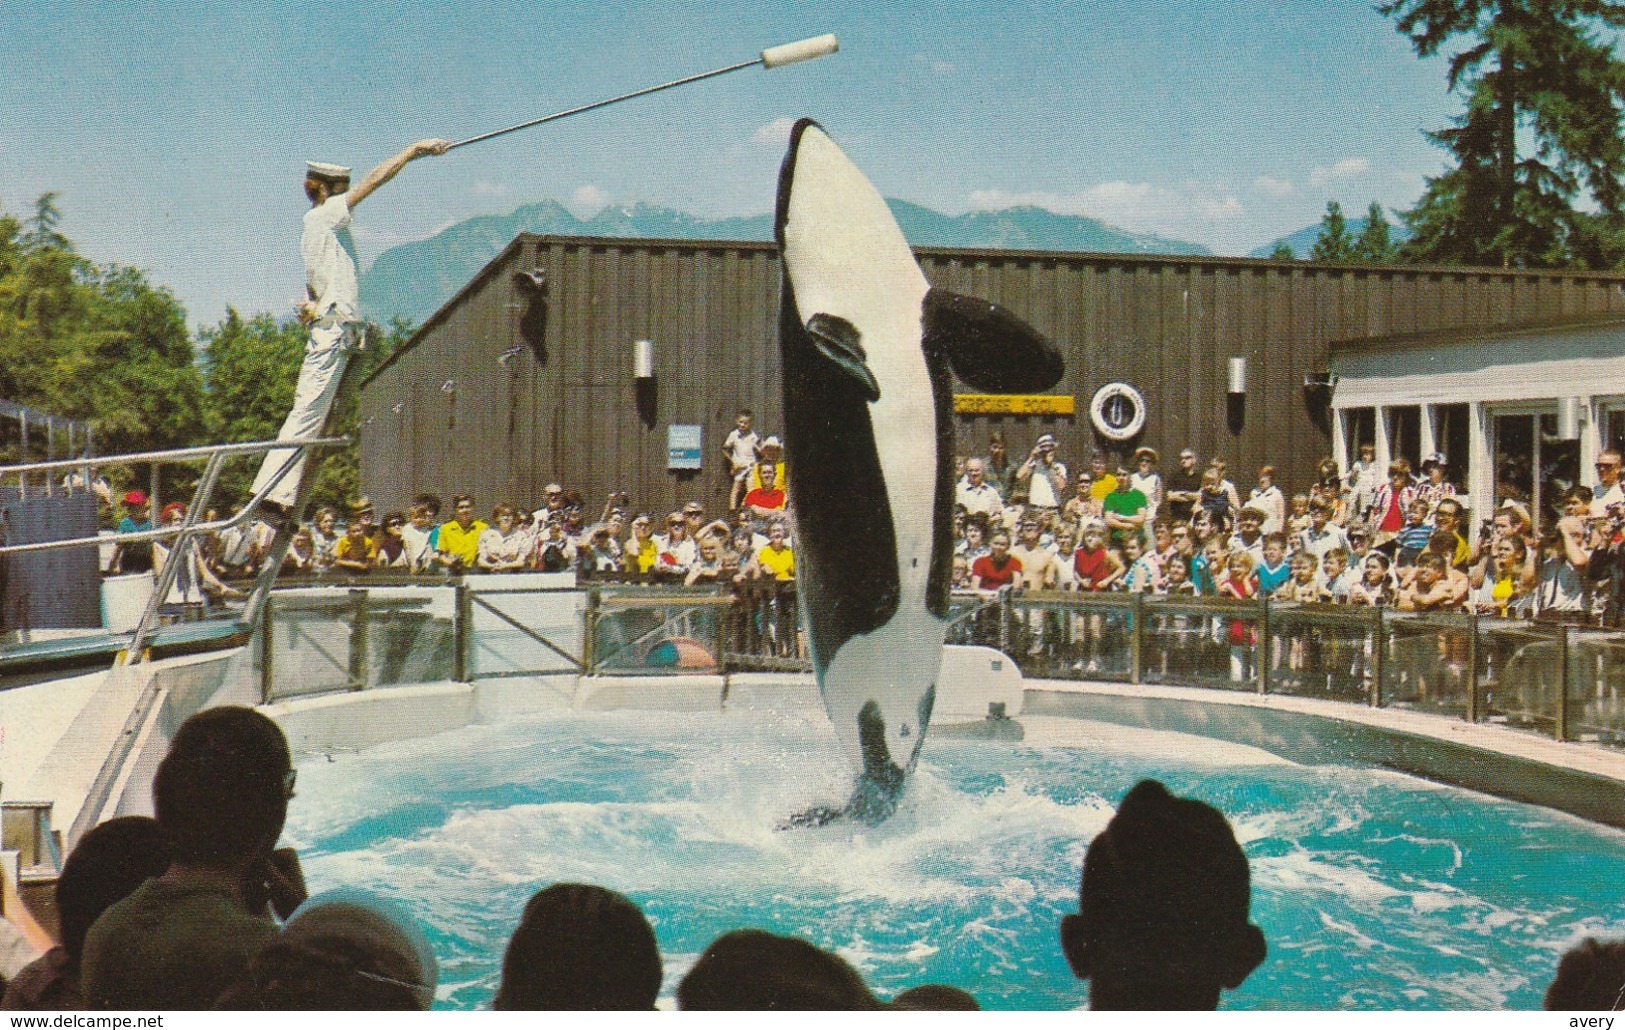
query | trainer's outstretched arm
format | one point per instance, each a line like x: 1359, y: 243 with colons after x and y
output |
x: 387, y: 171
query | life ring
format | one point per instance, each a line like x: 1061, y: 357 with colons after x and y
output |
x: 1118, y: 411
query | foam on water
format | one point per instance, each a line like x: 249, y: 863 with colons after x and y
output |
x: 1375, y: 890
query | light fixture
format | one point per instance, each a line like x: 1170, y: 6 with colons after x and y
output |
x: 1237, y: 378
x: 1568, y: 418
x: 643, y: 359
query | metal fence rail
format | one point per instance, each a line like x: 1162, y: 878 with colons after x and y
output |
x: 1563, y: 681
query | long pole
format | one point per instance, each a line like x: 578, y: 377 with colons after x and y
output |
x: 772, y: 57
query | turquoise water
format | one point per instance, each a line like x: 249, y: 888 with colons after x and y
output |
x: 1375, y: 890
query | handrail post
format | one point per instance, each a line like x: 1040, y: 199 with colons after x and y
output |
x: 1379, y: 648
x: 1136, y: 641
x: 358, y: 638
x: 1472, y: 667
x: 1563, y: 638
x: 462, y: 634
x: 1262, y: 655
x: 724, y: 616
x: 589, y: 633
x: 1006, y: 613
x: 267, y: 653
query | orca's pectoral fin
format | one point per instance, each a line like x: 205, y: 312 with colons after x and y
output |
x: 988, y: 346
x: 839, y: 341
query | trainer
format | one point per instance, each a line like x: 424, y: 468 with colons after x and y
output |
x: 332, y: 306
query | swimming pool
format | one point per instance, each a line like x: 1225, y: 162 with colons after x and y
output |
x: 1374, y: 889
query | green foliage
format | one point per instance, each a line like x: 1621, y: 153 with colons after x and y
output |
x: 1282, y: 252
x: 1334, y: 242
x: 95, y: 343
x: 1375, y: 245
x: 1536, y: 70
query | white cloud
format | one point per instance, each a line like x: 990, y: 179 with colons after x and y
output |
x: 1138, y: 206
x: 1272, y: 186
x: 481, y: 188
x: 942, y: 67
x: 587, y: 201
x: 775, y: 133
x: 1348, y: 168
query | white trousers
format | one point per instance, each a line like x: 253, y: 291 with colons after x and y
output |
x: 325, y: 357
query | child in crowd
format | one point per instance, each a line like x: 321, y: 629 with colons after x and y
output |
x: 1273, y: 571
x: 1299, y: 520
x: 1143, y: 575
x: 1413, y: 539
x: 1376, y: 585
x: 1238, y: 582
x: 1336, y: 576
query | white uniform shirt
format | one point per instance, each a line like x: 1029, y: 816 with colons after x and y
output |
x: 330, y: 261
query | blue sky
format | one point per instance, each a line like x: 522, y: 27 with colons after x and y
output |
x: 176, y: 133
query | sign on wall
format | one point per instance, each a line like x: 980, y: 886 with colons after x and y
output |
x: 683, y: 448
x: 1013, y: 404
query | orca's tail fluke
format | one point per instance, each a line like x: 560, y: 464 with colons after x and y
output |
x: 879, y: 786
x: 873, y: 801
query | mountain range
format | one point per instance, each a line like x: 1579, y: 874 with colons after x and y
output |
x: 412, y: 280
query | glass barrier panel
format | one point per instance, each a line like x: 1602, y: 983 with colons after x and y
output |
x: 1425, y: 667
x: 763, y: 626
x: 973, y: 618
x: 1054, y: 635
x: 1323, y: 650
x: 1597, y: 686
x: 311, y: 636
x: 1518, y: 672
x: 411, y: 635
x: 1201, y: 642
x: 655, y: 635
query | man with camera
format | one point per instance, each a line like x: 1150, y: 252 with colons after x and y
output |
x: 1044, y: 477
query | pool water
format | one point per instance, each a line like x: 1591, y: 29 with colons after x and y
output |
x: 1375, y: 890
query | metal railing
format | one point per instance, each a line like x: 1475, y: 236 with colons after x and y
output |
x: 1563, y: 681
x: 192, y: 527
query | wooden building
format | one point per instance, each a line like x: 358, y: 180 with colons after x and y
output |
x: 529, y: 374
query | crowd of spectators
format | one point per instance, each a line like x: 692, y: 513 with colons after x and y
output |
x: 1371, y: 536
x: 198, y: 909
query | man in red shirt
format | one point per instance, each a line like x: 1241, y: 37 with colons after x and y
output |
x: 766, y: 501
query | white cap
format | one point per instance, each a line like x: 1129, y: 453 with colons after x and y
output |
x: 322, y: 170
x: 772, y: 441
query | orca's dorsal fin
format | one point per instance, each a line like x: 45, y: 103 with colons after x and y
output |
x: 839, y: 341
x: 988, y: 346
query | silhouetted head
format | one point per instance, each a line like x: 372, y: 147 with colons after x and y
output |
x: 1590, y: 978
x: 222, y: 791
x: 751, y: 970
x: 580, y: 947
x: 936, y: 998
x: 1162, y: 920
x: 344, y: 950
x: 111, y: 861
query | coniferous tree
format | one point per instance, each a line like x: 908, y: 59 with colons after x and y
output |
x: 1334, y: 243
x: 1282, y: 251
x: 1375, y: 243
x: 1535, y: 68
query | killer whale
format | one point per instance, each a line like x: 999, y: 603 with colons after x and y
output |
x: 869, y: 352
